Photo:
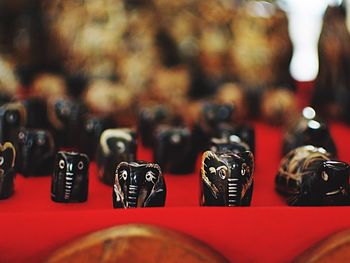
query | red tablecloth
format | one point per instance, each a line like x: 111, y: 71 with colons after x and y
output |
x: 32, y: 225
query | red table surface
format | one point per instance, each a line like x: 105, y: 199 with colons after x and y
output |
x: 32, y: 226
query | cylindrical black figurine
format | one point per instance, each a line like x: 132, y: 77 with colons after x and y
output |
x: 116, y: 146
x: 148, y: 121
x: 138, y: 184
x: 226, y: 178
x: 70, y: 177
x: 174, y: 151
x: 7, y: 171
x: 36, y: 152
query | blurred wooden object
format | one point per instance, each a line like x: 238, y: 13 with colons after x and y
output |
x: 335, y: 248
x: 136, y: 243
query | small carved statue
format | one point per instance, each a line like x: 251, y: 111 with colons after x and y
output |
x: 174, y: 151
x: 148, y: 121
x: 227, y: 178
x: 7, y: 171
x: 91, y: 132
x: 70, y: 177
x: 308, y: 177
x: 212, y: 116
x: 36, y: 152
x: 138, y: 184
x: 12, y: 117
x: 66, y: 116
x: 309, y: 130
x: 116, y: 146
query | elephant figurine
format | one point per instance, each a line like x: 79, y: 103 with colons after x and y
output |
x: 308, y: 177
x: 227, y: 178
x: 138, y: 184
x: 70, y: 179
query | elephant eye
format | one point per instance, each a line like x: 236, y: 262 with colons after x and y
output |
x: 80, y: 165
x: 1, y: 160
x: 222, y: 172
x: 61, y: 163
x: 150, y: 176
x: 124, y: 175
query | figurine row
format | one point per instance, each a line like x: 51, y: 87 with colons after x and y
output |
x: 37, y: 129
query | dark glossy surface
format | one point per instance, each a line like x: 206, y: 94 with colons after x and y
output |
x: 36, y: 152
x: 216, y: 121
x: 36, y: 113
x: 174, y: 151
x: 70, y: 177
x: 91, y: 132
x: 66, y: 116
x: 149, y: 119
x: 7, y: 171
x: 115, y: 146
x: 227, y: 178
x: 12, y: 117
x: 309, y: 130
x: 211, y: 118
x: 242, y: 134
x: 307, y: 177
x: 138, y: 184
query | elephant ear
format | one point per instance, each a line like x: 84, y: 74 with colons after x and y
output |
x: 7, y: 156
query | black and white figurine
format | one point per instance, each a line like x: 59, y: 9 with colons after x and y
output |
x: 174, y: 151
x: 36, y: 152
x: 226, y: 178
x: 116, y: 146
x: 138, y: 184
x: 70, y: 177
x: 7, y: 170
x: 308, y: 177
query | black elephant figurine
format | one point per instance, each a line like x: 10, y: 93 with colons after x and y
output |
x: 308, y: 177
x: 36, y: 152
x: 174, y: 150
x: 70, y: 179
x: 227, y: 178
x: 138, y: 184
